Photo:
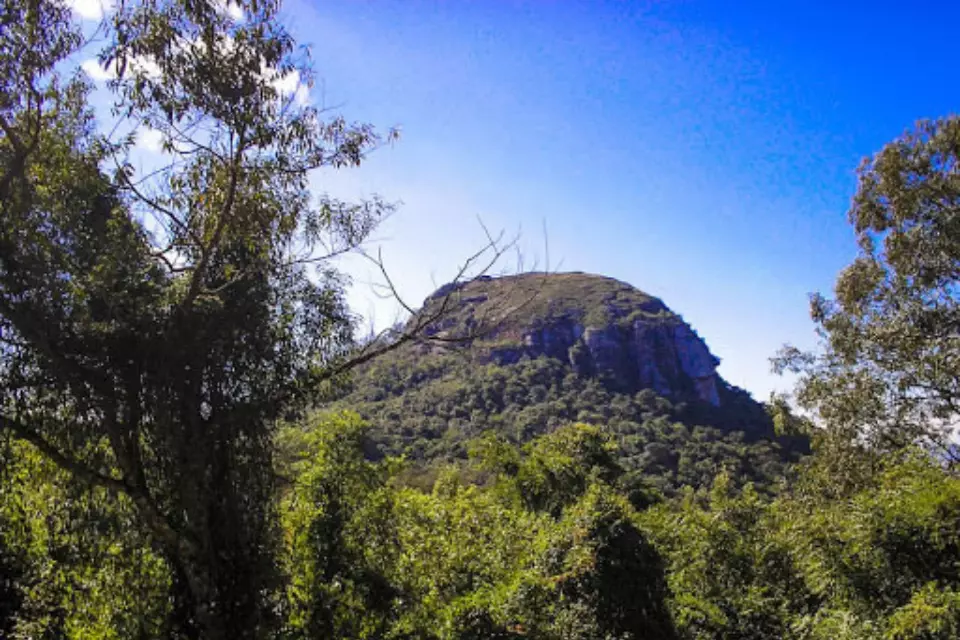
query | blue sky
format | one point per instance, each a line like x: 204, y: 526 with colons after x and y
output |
x: 704, y: 152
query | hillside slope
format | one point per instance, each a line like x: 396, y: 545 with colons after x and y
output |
x: 522, y: 355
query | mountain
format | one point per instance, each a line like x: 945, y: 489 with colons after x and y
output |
x: 518, y: 356
x: 602, y: 327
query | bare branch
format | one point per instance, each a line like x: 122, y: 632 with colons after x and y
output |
x: 206, y: 251
x: 65, y: 462
x: 32, y: 330
x: 421, y: 320
x: 153, y: 204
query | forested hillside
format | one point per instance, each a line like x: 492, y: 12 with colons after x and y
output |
x: 534, y: 368
x: 195, y: 445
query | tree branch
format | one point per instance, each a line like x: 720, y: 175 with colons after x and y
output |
x: 60, y: 459
x: 206, y: 251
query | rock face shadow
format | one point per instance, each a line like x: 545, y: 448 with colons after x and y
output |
x: 604, y: 328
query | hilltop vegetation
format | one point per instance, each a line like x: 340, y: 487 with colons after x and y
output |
x: 529, y: 366
x: 429, y: 409
x: 548, y: 458
x: 508, y: 304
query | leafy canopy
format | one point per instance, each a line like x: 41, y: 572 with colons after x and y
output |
x: 156, y: 325
x: 888, y: 375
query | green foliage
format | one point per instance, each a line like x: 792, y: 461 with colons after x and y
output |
x: 610, y: 575
x: 533, y: 298
x: 555, y: 469
x: 932, y: 614
x: 729, y: 576
x: 84, y: 571
x: 332, y: 590
x: 883, y: 563
x: 429, y: 408
x: 887, y: 376
x: 155, y: 481
x: 469, y: 561
x: 155, y: 328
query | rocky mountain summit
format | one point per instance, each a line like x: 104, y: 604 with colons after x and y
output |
x: 521, y: 356
x: 602, y: 327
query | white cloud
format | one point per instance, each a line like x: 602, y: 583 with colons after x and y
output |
x: 289, y: 84
x: 145, y: 65
x: 90, y: 9
x: 98, y: 72
x: 286, y: 84
x: 231, y: 9
x: 303, y: 95
x: 234, y: 11
x: 150, y: 140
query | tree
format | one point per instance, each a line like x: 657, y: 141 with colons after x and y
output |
x: 467, y: 560
x: 156, y: 326
x: 335, y: 506
x: 556, y: 469
x: 888, y: 375
x: 880, y: 562
x: 78, y: 564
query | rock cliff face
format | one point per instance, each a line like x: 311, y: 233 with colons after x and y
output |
x: 604, y: 329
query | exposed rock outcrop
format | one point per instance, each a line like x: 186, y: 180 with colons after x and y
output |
x: 604, y: 328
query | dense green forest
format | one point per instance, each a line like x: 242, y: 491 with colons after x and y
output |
x: 193, y: 444
x: 430, y: 409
